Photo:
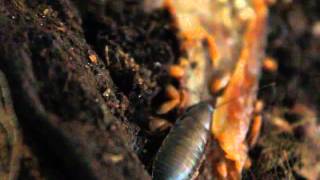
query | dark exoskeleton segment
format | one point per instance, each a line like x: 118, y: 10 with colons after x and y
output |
x: 182, y: 151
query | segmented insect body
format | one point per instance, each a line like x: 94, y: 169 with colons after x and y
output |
x: 183, y: 149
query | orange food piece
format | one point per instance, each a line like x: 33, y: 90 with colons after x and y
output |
x: 176, y: 71
x: 270, y: 64
x: 231, y: 122
x: 168, y: 106
x: 255, y: 130
x: 282, y: 124
x: 248, y: 164
x: 222, y: 169
x: 172, y: 92
x: 174, y: 101
x: 93, y: 58
x: 259, y: 105
x: 220, y: 83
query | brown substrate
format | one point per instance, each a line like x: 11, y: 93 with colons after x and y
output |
x: 293, y: 153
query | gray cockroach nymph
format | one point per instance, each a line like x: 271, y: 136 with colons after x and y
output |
x: 182, y: 151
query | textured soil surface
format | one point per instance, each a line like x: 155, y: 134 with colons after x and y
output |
x: 81, y: 82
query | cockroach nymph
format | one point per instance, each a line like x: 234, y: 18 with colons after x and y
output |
x: 183, y: 149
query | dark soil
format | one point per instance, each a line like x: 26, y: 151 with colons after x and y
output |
x: 86, y: 79
x: 293, y: 43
